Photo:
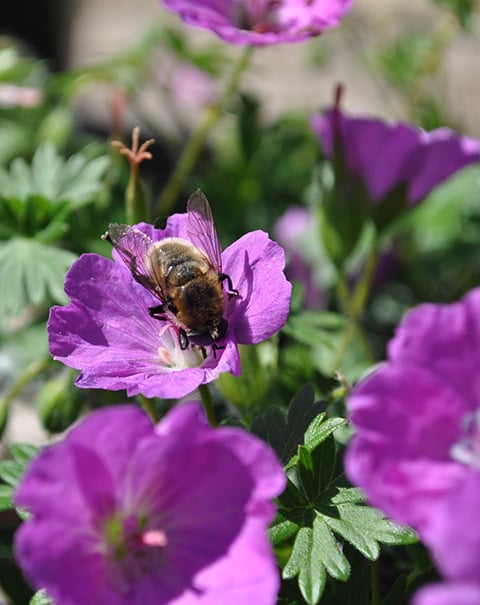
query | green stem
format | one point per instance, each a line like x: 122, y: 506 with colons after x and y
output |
x: 148, y: 406
x: 207, y: 402
x: 375, y: 583
x: 31, y: 371
x: 353, y: 315
x: 362, y: 290
x: 135, y: 201
x: 195, y: 145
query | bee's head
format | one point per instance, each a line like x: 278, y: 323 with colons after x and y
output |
x: 214, y: 333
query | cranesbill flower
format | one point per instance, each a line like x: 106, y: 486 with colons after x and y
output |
x: 417, y: 417
x: 124, y: 513
x: 108, y: 334
x: 457, y: 546
x: 262, y: 22
x: 387, y: 157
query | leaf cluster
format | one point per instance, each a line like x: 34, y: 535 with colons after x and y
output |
x: 320, y: 518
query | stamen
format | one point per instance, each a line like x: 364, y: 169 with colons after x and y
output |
x: 154, y: 537
x: 467, y: 450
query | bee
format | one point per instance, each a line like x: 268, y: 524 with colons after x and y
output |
x: 185, y: 276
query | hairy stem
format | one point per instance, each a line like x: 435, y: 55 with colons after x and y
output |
x: 207, y: 402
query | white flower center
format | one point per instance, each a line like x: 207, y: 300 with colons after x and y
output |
x: 467, y: 450
x: 171, y: 356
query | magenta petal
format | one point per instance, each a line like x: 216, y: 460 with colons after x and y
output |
x: 407, y: 420
x: 443, y: 154
x: 261, y: 23
x: 456, y: 532
x: 449, y: 593
x: 386, y: 156
x: 107, y: 333
x: 255, y: 265
x: 203, y: 496
x: 444, y: 338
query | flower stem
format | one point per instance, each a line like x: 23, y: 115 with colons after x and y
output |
x: 148, y: 406
x: 353, y: 304
x: 375, y: 583
x: 31, y: 371
x: 364, y: 284
x: 207, y: 402
x: 353, y: 315
x: 194, y: 146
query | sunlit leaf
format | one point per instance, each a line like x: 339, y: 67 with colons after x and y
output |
x: 32, y: 273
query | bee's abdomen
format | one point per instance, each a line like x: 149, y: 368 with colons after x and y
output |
x: 200, y: 302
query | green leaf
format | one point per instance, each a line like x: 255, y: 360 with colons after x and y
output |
x: 306, y: 562
x: 315, y: 468
x: 332, y: 557
x: 34, y: 273
x: 285, y: 434
x: 13, y: 469
x: 327, y: 516
x: 6, y: 502
x: 314, y: 328
x: 282, y: 531
x: 11, y: 472
x: 41, y: 598
x: 23, y: 452
x: 365, y: 527
x: 44, y: 192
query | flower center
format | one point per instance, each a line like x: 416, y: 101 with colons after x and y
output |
x: 257, y: 15
x: 467, y: 450
x: 170, y: 354
x: 131, y: 550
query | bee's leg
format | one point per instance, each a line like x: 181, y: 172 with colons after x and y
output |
x: 158, y: 312
x: 203, y: 351
x: 231, y: 290
x: 216, y: 348
x: 183, y: 339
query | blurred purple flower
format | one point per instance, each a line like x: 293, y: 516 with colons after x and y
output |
x: 108, y: 334
x: 417, y: 417
x: 385, y: 156
x: 127, y: 513
x: 262, y: 22
x: 295, y: 232
x: 449, y: 593
x: 457, y: 544
x: 190, y: 87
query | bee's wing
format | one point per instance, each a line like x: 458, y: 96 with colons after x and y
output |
x: 132, y: 245
x: 201, y: 228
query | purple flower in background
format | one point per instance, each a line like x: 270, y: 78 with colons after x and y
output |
x: 124, y: 513
x: 188, y: 85
x: 108, y: 334
x: 297, y: 233
x: 387, y: 156
x: 262, y: 22
x: 417, y: 417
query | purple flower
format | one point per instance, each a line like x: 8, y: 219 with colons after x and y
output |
x: 297, y: 233
x: 388, y: 156
x: 417, y: 417
x: 108, y: 334
x: 262, y: 22
x: 188, y: 85
x: 127, y: 513
x: 457, y: 545
x: 450, y: 593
